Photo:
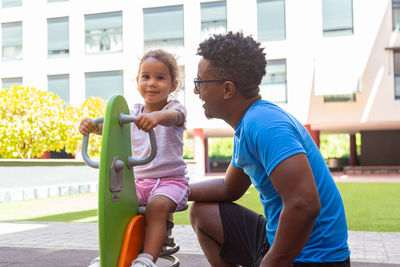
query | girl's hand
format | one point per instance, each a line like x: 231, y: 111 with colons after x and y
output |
x: 87, y: 126
x: 147, y: 121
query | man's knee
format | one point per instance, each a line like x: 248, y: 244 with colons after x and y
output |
x: 194, y: 210
x: 202, y: 213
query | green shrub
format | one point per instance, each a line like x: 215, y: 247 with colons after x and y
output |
x: 32, y: 122
x: 188, y: 147
x: 92, y: 107
x: 220, y: 149
x: 335, y: 145
x: 35, y: 121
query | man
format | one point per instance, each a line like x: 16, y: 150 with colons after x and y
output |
x: 304, y: 223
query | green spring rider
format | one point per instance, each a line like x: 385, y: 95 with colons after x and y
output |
x: 121, y: 221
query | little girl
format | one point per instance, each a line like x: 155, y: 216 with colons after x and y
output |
x: 161, y: 185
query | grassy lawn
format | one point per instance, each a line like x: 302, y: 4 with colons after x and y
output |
x: 369, y: 207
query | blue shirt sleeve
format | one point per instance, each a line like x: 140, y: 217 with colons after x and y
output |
x: 273, y: 140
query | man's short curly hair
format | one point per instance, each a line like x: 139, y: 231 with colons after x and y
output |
x: 236, y: 58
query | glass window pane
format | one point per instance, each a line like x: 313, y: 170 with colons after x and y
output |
x: 159, y: 33
x: 12, y: 40
x: 396, y: 74
x: 58, y: 36
x: 340, y: 98
x: 271, y: 20
x: 273, y: 85
x: 11, y: 3
x: 59, y: 84
x: 397, y: 87
x: 213, y: 18
x: 103, y: 84
x: 9, y: 82
x: 103, y: 32
x: 337, y: 17
x: 396, y: 14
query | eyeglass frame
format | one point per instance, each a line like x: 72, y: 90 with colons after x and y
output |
x: 197, y: 82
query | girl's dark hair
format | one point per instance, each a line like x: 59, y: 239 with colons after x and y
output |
x: 236, y: 58
x: 167, y: 58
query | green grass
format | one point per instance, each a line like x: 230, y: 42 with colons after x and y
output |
x: 369, y: 207
x: 372, y: 206
x: 76, y: 208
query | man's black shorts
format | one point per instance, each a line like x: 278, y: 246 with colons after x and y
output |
x: 245, y: 239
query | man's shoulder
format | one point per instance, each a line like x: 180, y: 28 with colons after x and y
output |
x: 265, y: 112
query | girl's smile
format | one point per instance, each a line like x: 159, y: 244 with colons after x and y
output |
x: 154, y: 83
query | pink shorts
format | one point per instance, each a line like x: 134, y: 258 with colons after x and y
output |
x: 177, y: 189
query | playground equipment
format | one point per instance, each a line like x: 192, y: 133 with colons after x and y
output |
x: 121, y: 220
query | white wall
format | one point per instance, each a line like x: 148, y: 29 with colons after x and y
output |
x: 304, y: 43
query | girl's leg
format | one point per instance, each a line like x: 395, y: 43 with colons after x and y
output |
x: 157, y: 210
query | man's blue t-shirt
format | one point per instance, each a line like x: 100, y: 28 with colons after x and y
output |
x: 266, y: 136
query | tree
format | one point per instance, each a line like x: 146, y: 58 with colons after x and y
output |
x: 32, y: 122
x: 93, y: 107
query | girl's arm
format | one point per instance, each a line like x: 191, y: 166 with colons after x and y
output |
x: 147, y: 121
x: 87, y: 126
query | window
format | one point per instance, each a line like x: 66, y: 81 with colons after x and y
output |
x: 213, y: 18
x: 337, y: 17
x: 59, y: 84
x: 340, y: 98
x: 11, y: 3
x: 396, y: 14
x: 58, y: 36
x: 12, y: 41
x: 273, y: 86
x: 103, y: 32
x: 158, y: 33
x: 9, y: 82
x: 396, y: 74
x: 103, y: 84
x: 271, y: 20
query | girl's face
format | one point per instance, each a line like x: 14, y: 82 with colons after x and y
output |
x: 154, y: 82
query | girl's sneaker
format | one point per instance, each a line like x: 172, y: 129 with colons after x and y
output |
x: 143, y: 260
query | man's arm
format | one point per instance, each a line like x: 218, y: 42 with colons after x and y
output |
x: 293, y: 180
x: 230, y: 188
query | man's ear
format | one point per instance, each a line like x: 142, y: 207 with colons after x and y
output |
x: 137, y: 81
x: 230, y: 89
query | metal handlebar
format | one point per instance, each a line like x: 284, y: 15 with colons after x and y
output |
x: 131, y: 162
x: 85, y: 142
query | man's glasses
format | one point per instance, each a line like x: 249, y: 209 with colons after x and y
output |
x: 197, y: 82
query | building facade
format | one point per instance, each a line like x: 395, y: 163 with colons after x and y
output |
x: 334, y: 64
